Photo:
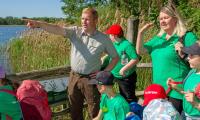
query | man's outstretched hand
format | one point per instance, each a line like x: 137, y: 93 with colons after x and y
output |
x: 31, y: 23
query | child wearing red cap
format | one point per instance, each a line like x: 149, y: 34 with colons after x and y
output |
x: 125, y: 70
x: 191, y: 85
x: 157, y: 106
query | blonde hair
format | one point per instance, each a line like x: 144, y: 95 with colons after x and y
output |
x: 91, y: 11
x: 180, y: 28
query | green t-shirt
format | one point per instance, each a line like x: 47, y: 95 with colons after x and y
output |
x: 9, y: 105
x: 166, y: 62
x: 123, y: 45
x: 190, y: 84
x: 114, y: 108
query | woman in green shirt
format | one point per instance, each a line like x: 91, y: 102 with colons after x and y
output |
x: 162, y: 48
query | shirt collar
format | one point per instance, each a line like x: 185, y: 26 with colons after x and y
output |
x: 119, y: 42
x: 165, y: 34
x: 85, y: 34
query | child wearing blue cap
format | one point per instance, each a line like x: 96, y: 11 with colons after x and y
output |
x: 112, y: 106
x: 191, y: 100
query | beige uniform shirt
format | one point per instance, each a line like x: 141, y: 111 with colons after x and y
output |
x: 86, y: 50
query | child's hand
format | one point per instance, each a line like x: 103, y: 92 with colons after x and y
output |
x: 178, y: 46
x: 32, y: 23
x: 93, y: 74
x: 130, y: 113
x: 189, y: 96
x: 170, y: 83
x: 174, y: 85
x: 122, y: 72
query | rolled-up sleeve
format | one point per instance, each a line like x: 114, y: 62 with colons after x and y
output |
x: 110, y: 49
x: 69, y: 31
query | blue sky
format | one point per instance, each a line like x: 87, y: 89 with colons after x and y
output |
x: 31, y: 8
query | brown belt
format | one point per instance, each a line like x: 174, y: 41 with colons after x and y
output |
x: 80, y: 75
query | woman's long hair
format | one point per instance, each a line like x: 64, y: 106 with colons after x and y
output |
x: 171, y: 10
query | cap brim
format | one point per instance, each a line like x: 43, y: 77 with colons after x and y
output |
x: 145, y: 102
x: 193, y: 50
x: 93, y: 82
x: 188, y: 50
x: 108, y: 31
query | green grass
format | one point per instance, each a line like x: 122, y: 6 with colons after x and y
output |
x: 38, y: 50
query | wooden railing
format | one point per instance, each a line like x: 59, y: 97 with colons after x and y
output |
x: 55, y: 74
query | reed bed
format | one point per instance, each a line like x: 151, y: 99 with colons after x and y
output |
x: 37, y: 49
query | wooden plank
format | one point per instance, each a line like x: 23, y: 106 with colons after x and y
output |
x: 144, y: 65
x: 132, y: 29
x: 139, y: 93
x: 53, y: 73
x: 41, y: 74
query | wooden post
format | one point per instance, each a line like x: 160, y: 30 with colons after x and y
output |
x: 132, y: 29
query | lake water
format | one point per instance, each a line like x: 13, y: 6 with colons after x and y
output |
x: 6, y: 34
x: 9, y: 32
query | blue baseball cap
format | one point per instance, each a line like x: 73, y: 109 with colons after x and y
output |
x: 103, y: 78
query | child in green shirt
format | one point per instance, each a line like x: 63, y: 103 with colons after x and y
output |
x: 125, y: 70
x: 112, y: 106
x: 191, y: 100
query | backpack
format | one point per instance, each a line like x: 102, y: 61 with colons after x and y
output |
x: 136, y: 108
x: 33, y: 100
x: 137, y: 111
x: 133, y: 117
x: 160, y: 109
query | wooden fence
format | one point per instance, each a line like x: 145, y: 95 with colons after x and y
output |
x: 57, y: 93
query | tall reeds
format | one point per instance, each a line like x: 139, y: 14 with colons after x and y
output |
x: 37, y: 49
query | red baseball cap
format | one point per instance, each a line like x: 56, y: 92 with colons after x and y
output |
x: 154, y: 91
x: 115, y: 29
x: 197, y: 91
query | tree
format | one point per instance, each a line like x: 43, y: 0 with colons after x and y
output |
x: 73, y: 8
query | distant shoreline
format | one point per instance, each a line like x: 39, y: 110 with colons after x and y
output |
x: 12, y: 25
